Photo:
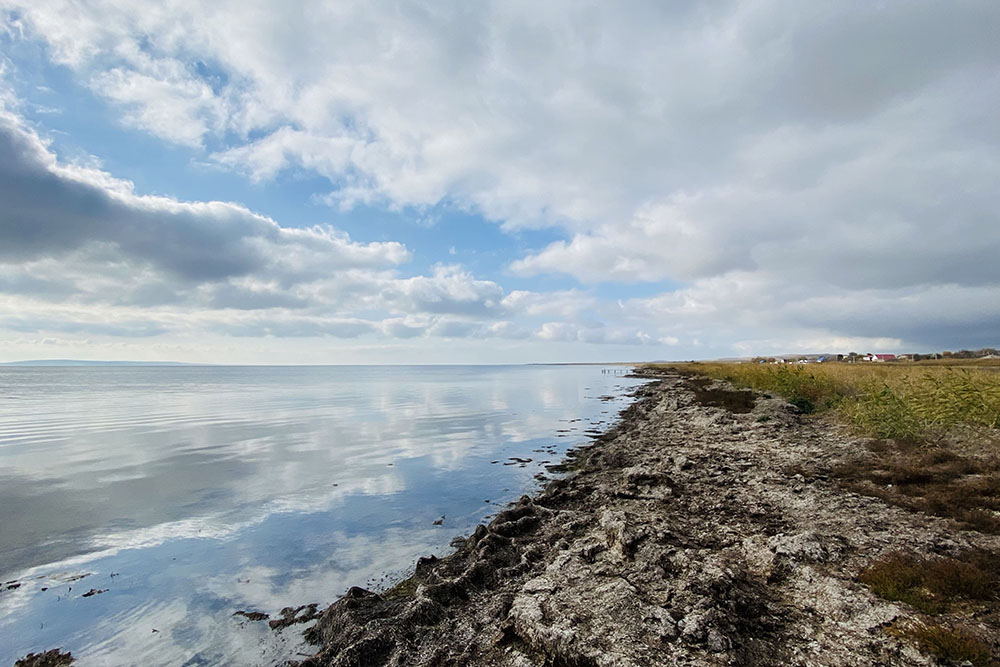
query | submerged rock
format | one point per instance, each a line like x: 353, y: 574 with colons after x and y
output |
x: 252, y: 615
x: 52, y: 658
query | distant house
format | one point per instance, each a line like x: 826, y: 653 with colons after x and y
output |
x: 880, y: 357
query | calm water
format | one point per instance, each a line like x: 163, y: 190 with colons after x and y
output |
x: 191, y: 492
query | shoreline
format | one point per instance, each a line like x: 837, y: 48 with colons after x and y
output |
x: 382, y: 468
x: 682, y: 535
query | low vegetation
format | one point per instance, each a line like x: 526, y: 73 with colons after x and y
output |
x: 934, y: 447
x: 930, y: 478
x: 934, y: 585
x: 912, y: 401
x: 404, y: 589
x: 952, y: 645
x: 966, y: 585
x: 935, y: 429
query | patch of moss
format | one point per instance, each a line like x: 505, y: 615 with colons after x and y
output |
x: 407, y: 588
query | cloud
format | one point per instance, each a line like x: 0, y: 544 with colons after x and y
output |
x: 172, y: 104
x: 582, y: 115
x: 449, y: 289
x: 285, y: 147
x: 567, y: 304
x: 662, y: 241
x: 669, y: 143
x: 53, y: 209
x: 591, y: 332
x: 754, y: 312
x: 808, y: 172
x: 291, y: 326
x: 82, y: 253
x: 957, y: 313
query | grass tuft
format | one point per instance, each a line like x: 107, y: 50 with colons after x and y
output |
x: 932, y: 585
x: 948, y: 644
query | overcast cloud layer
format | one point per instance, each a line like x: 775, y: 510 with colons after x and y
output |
x: 805, y: 176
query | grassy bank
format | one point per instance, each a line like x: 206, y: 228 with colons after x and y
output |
x: 900, y: 401
x: 934, y: 429
x: 933, y: 447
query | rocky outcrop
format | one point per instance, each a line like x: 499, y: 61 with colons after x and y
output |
x: 681, y: 536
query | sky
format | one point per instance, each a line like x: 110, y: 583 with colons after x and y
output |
x: 496, y: 182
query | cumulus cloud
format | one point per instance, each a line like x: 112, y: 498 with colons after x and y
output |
x: 449, y: 289
x: 52, y: 209
x: 117, y: 263
x: 82, y: 253
x: 591, y: 332
x: 807, y: 171
x: 567, y: 304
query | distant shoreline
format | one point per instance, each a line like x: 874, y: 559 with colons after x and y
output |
x: 84, y: 362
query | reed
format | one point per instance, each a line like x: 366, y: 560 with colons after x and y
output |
x: 904, y: 401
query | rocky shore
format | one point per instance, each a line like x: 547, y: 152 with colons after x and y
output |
x: 687, y: 534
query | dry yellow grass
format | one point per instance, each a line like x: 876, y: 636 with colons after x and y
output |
x: 993, y: 362
x: 883, y: 400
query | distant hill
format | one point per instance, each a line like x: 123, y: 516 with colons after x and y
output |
x: 88, y: 362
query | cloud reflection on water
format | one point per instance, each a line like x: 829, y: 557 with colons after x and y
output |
x: 208, y: 490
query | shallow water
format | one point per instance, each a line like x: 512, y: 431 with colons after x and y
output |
x: 189, y: 493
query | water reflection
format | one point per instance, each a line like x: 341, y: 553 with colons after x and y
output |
x: 188, y: 493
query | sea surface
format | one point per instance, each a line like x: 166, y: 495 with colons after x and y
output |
x: 180, y: 495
